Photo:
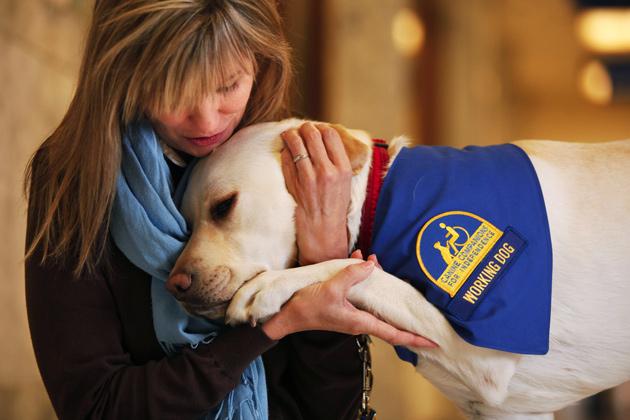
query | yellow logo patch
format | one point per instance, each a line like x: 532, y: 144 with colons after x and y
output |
x: 451, y: 245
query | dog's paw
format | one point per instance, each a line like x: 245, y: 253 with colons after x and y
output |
x: 257, y: 300
x: 266, y: 303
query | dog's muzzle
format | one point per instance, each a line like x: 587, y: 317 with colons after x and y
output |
x: 207, y: 295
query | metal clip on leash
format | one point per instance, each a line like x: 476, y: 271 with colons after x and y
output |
x: 366, y: 412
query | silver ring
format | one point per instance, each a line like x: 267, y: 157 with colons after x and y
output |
x: 300, y: 156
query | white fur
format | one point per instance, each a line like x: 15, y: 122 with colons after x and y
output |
x: 587, y: 195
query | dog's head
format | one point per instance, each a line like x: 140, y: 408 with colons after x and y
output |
x: 241, y: 215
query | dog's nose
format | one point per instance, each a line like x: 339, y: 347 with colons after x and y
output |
x: 179, y: 283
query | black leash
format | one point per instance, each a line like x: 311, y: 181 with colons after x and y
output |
x: 365, y: 412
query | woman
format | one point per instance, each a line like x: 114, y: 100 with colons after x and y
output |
x: 196, y: 71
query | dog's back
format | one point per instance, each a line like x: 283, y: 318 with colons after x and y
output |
x: 587, y: 195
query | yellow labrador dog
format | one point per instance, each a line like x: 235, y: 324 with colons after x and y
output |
x: 243, y: 246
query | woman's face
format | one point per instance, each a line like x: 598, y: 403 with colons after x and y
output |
x: 199, y: 130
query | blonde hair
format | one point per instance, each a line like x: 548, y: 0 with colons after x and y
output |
x: 142, y: 57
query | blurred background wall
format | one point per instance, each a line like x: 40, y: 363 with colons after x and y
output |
x: 40, y: 47
x: 444, y: 72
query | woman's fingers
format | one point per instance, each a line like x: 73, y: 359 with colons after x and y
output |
x: 334, y: 147
x: 351, y: 275
x: 289, y: 170
x: 300, y: 158
x: 392, y: 335
x: 294, y: 142
x: 322, y: 144
x: 357, y: 254
x: 374, y: 259
x: 315, y: 145
x: 366, y: 323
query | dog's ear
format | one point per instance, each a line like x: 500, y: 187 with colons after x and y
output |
x: 358, y: 150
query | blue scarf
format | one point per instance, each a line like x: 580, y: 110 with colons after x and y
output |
x: 149, y: 229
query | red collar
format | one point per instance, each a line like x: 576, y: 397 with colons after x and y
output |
x: 380, y: 158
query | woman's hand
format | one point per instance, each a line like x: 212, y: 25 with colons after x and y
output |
x: 320, y: 185
x: 324, y: 306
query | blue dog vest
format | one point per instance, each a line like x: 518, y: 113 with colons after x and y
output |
x: 468, y: 229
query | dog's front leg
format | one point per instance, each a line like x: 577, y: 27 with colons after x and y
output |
x: 264, y: 295
x: 382, y: 294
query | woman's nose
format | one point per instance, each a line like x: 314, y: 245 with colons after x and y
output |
x: 206, y: 117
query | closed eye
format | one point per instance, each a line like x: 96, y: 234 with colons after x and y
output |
x: 222, y: 209
x: 228, y: 88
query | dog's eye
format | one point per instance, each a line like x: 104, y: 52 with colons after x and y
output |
x: 222, y: 209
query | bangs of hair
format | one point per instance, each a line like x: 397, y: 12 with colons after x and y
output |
x: 192, y: 58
